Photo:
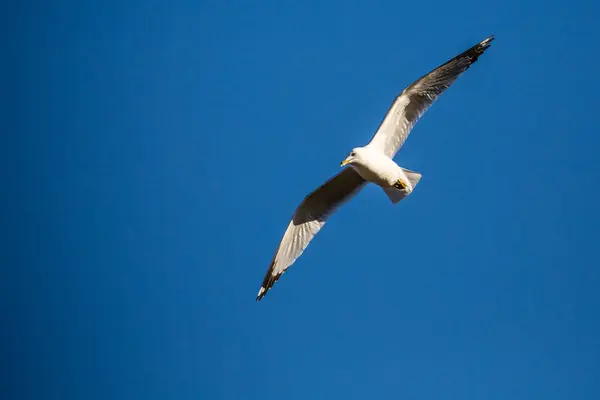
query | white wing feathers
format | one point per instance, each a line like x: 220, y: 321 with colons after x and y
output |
x: 308, y: 219
x: 412, y: 103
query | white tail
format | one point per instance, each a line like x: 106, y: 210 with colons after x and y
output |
x: 395, y: 195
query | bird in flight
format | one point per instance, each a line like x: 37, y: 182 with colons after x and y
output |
x: 371, y: 163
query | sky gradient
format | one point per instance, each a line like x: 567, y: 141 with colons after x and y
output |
x: 153, y: 153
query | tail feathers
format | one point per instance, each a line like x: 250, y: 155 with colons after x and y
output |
x: 395, y: 195
x: 413, y: 177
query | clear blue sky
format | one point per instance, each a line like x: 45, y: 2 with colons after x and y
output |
x: 154, y: 151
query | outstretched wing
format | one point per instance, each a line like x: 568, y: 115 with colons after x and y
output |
x: 308, y: 219
x: 412, y: 103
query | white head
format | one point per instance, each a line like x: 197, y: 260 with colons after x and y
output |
x: 356, y: 156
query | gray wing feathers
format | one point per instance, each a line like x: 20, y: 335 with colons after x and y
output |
x: 412, y: 103
x: 308, y: 219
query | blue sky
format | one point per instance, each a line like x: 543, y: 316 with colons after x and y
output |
x: 153, y: 155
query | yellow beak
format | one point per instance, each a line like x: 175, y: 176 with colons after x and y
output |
x: 346, y: 161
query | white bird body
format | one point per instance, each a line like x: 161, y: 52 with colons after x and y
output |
x: 374, y: 166
x: 371, y: 163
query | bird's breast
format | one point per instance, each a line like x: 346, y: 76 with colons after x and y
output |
x: 378, y: 173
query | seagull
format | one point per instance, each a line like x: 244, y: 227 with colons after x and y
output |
x: 370, y: 163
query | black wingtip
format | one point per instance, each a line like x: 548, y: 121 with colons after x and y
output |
x: 487, y: 41
x: 268, y: 282
x: 474, y: 52
x: 261, y: 294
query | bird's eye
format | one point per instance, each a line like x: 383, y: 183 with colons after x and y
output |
x: 353, y: 154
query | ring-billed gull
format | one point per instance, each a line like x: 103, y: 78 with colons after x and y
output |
x: 371, y: 163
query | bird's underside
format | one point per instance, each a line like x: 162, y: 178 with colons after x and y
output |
x: 404, y: 113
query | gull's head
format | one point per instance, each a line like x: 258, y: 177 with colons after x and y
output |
x: 355, y: 157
